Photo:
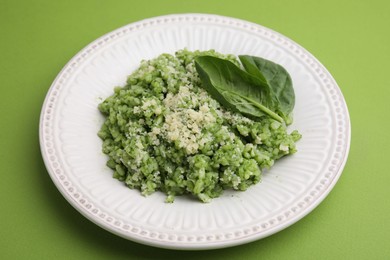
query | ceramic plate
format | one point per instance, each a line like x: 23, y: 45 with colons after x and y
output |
x: 72, y: 153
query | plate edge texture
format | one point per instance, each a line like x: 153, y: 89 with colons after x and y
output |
x: 258, y: 232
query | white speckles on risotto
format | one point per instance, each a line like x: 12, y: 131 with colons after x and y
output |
x: 164, y: 132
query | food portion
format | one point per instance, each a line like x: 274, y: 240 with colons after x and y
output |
x: 198, y: 123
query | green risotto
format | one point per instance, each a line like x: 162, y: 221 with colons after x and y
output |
x: 163, y: 131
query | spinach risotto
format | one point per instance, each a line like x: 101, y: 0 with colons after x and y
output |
x: 198, y: 123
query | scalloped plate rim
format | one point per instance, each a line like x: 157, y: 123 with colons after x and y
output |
x: 178, y: 245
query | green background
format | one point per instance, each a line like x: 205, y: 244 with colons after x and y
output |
x: 351, y: 38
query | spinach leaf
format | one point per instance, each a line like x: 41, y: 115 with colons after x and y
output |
x: 235, y: 88
x: 277, y: 78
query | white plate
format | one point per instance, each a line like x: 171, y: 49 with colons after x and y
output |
x: 290, y: 190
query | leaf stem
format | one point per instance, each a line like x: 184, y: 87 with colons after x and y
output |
x: 265, y: 109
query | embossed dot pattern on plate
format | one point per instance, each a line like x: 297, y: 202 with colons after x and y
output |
x: 290, y: 190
